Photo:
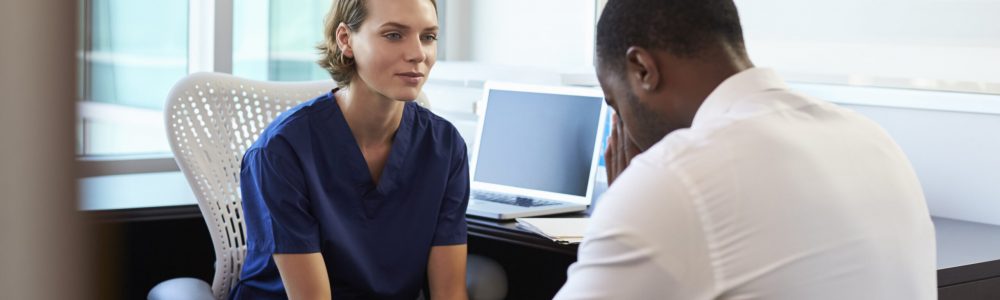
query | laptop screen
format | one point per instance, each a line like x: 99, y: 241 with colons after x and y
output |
x: 539, y: 140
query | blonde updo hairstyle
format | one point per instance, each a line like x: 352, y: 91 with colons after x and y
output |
x: 352, y: 13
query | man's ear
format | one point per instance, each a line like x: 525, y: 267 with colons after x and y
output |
x: 641, y: 70
x: 344, y: 40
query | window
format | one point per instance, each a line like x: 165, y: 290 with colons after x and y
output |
x: 129, y: 59
x: 276, y: 40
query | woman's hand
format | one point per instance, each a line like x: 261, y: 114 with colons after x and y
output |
x: 620, y: 150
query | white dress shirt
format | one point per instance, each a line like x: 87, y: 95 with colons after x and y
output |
x: 769, y: 195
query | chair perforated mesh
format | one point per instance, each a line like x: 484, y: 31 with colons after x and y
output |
x: 211, y: 120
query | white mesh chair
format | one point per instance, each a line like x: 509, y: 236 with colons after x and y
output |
x: 211, y: 120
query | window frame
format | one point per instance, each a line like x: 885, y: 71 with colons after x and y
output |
x: 207, y: 19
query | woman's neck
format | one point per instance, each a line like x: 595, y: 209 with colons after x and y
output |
x: 372, y: 117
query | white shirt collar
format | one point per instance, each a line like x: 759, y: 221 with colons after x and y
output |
x: 735, y: 88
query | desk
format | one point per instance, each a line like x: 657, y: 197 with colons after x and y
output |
x: 508, y: 232
x: 967, y: 252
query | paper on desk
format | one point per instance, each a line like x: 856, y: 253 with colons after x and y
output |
x: 560, y: 230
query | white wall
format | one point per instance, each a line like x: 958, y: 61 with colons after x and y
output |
x: 551, y: 34
x: 930, y: 42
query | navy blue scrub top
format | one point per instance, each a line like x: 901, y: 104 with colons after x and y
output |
x: 306, y: 188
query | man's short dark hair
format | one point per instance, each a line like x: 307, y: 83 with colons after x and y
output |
x: 684, y: 28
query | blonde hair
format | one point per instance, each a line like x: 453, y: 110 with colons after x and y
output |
x: 352, y: 13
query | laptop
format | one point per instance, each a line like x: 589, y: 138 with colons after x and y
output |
x: 537, y: 150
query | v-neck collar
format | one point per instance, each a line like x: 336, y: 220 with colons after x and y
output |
x: 359, y: 171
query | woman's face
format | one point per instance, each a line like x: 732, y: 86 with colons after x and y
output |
x: 395, y: 47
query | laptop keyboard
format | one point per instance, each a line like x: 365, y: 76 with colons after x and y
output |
x: 512, y: 200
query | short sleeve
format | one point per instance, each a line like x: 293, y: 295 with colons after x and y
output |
x: 276, y: 188
x: 451, y: 227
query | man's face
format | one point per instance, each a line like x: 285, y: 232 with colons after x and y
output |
x: 643, y: 125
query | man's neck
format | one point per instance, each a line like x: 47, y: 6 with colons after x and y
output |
x: 695, y: 80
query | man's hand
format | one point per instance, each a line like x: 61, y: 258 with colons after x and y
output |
x: 621, y: 150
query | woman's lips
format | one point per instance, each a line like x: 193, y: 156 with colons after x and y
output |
x: 412, y: 78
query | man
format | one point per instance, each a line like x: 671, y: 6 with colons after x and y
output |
x: 743, y: 188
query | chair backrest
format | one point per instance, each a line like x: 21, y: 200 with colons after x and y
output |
x: 211, y: 120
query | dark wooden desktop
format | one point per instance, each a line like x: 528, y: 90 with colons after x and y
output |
x: 161, y: 235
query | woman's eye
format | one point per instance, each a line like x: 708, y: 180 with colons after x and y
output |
x: 394, y: 36
x: 430, y: 37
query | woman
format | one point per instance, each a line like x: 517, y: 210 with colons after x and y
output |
x: 360, y: 193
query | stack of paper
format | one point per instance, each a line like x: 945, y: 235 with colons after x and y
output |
x: 559, y: 230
